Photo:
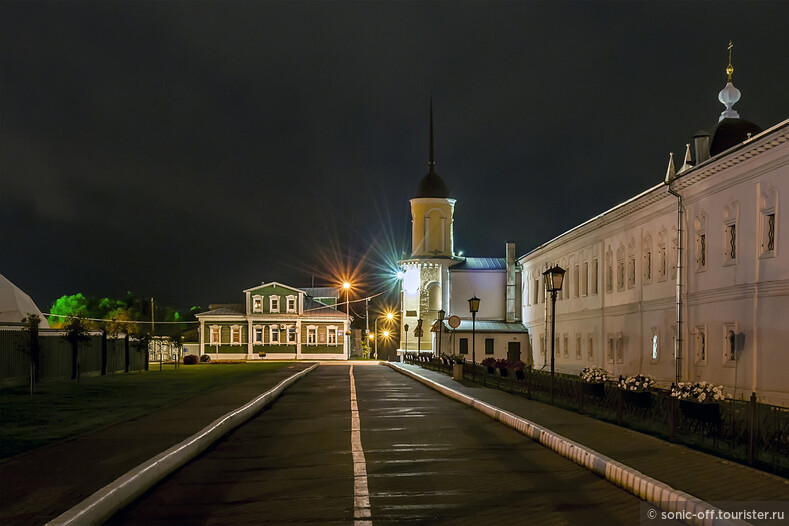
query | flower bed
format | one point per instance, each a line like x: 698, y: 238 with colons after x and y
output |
x: 594, y: 375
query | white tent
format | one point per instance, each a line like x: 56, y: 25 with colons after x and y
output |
x: 15, y: 304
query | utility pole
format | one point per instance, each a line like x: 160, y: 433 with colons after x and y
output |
x: 367, y: 317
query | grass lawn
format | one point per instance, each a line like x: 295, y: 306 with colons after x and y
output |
x: 62, y: 409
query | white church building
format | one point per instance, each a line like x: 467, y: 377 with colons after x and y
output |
x: 687, y: 281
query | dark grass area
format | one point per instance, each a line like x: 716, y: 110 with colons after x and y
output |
x: 63, y: 409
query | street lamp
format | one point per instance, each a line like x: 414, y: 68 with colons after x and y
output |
x: 405, y: 331
x: 419, y: 337
x: 473, y: 308
x: 441, y: 315
x: 347, y: 287
x: 553, y: 284
x: 389, y: 316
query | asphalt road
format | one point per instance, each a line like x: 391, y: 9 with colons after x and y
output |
x: 427, y: 459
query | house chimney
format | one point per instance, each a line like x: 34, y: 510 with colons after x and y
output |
x: 701, y: 147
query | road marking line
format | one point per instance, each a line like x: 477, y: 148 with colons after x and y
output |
x: 361, y: 493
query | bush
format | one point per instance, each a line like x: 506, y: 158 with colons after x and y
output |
x: 205, y: 358
x: 488, y: 362
x: 503, y: 363
x: 190, y: 359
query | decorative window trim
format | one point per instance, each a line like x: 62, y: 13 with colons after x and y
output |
x: 620, y: 348
x: 215, y: 338
x: 257, y: 303
x: 730, y: 344
x: 620, y: 268
x: 273, y: 303
x: 661, y: 269
x: 701, y: 345
x: 566, y: 346
x: 702, y: 242
x: 609, y: 271
x: 235, y: 335
x: 273, y: 335
x: 292, y: 334
x: 768, y: 205
x: 585, y: 278
x: 730, y: 242
x: 653, y: 346
x: 312, y: 335
x: 331, y: 334
x: 576, y: 280
x: 631, y: 264
x: 258, y: 330
x: 288, y: 300
x: 595, y: 277
x: 578, y: 352
x: 610, y: 351
x: 647, y: 262
x: 590, y: 347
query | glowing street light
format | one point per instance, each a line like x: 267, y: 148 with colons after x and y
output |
x: 347, y: 287
x: 473, y: 308
x: 553, y: 283
x: 389, y: 317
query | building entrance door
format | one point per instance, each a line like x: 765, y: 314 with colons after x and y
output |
x: 514, y: 351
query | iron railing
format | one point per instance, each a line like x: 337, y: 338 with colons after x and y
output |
x: 746, y: 431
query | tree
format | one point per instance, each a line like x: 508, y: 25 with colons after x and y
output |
x: 30, y: 327
x: 76, y: 328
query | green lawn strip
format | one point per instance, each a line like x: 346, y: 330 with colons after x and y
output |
x: 64, y: 409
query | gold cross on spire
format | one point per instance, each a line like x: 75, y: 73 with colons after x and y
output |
x: 730, y: 68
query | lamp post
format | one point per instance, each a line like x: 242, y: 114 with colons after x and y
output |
x: 441, y: 315
x: 473, y: 308
x: 553, y: 283
x: 347, y: 287
x: 405, y: 351
x: 419, y: 337
x: 389, y: 316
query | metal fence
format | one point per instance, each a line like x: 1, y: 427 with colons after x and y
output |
x: 746, y: 431
x: 97, y: 355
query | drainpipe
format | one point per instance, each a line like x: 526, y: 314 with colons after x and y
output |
x: 670, y: 177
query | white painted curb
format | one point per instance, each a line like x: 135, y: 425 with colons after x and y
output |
x: 661, y: 495
x: 107, y: 501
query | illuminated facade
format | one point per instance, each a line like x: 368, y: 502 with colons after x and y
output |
x: 434, y: 278
x: 687, y: 281
x: 276, y: 322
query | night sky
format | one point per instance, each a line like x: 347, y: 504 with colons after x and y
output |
x: 190, y: 150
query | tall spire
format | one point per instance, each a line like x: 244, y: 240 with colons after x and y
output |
x: 431, y: 161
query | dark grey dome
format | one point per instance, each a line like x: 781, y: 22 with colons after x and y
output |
x: 432, y: 185
x: 731, y: 132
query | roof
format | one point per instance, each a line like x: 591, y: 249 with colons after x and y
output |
x: 322, y: 292
x: 491, y: 326
x: 481, y: 264
x: 224, y: 309
x: 731, y: 132
x: 316, y: 308
x: 15, y: 304
x: 432, y: 185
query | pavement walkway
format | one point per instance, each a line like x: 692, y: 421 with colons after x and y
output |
x: 39, y: 485
x: 704, y: 476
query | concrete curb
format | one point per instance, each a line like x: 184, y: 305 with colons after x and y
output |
x: 107, y: 501
x: 695, y: 511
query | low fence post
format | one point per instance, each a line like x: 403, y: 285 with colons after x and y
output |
x: 752, y: 409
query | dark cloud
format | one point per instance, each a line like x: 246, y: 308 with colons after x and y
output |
x: 188, y: 150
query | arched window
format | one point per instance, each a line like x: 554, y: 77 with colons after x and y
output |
x: 434, y: 297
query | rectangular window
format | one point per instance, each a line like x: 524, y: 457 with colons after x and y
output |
x: 590, y: 347
x: 332, y: 336
x: 661, y: 262
x: 620, y: 274
x: 257, y: 304
x: 215, y: 336
x: 274, y: 334
x: 258, y: 334
x: 730, y: 243
x: 647, y: 266
x: 585, y: 279
x: 576, y: 280
x: 273, y: 303
x: 631, y: 272
x: 595, y: 271
x: 620, y: 348
x: 577, y: 346
x: 536, y: 292
x: 654, y: 345
x: 312, y: 335
x: 701, y: 251
x: 292, y: 334
x: 701, y: 345
x: 769, y: 233
x: 566, y: 347
x: 611, y: 348
x: 464, y: 346
x: 729, y: 343
x: 235, y: 335
x: 291, y: 304
x: 488, y: 345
